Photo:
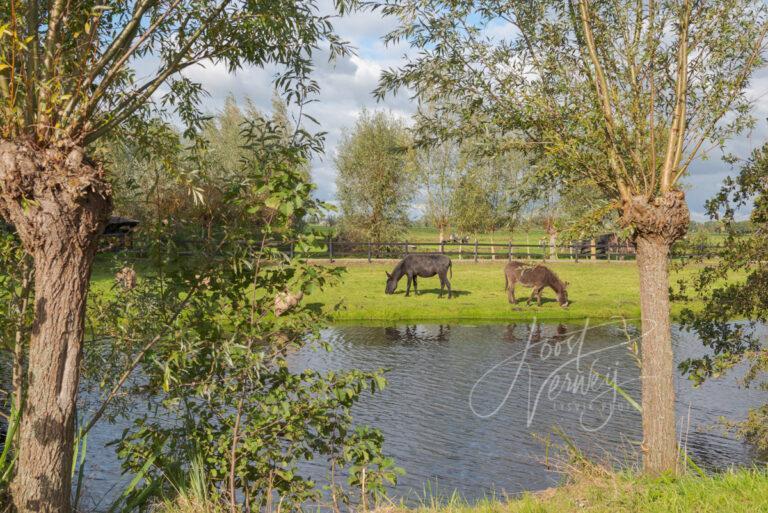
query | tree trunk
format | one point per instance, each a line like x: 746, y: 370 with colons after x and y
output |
x: 59, y: 202
x: 657, y: 224
x: 657, y: 372
x: 442, y: 234
x: 553, y: 245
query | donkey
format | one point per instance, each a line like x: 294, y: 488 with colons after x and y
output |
x: 424, y: 266
x: 537, y: 277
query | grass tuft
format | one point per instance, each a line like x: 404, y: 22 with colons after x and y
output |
x: 738, y: 491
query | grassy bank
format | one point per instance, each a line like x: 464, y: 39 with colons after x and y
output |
x: 742, y: 491
x: 596, y: 290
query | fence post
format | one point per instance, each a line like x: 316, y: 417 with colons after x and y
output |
x: 330, y: 249
x: 461, y: 250
x: 406, y: 248
x: 442, y: 246
x: 369, y: 251
x: 509, y: 251
x: 475, y: 250
x: 592, y: 250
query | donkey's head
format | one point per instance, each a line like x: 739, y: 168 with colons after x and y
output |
x: 391, y: 283
x: 562, y: 295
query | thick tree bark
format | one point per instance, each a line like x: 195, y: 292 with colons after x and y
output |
x: 657, y: 225
x: 58, y: 201
x: 656, y: 375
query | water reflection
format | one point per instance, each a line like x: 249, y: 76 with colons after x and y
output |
x: 468, y: 406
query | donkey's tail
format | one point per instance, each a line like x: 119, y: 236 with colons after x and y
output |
x: 450, y: 267
x: 506, y: 282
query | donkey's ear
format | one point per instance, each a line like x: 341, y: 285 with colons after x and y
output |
x: 388, y: 275
x: 567, y: 283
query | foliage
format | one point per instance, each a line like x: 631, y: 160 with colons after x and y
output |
x: 16, y: 296
x: 594, y: 88
x: 374, y: 183
x: 731, y: 343
x: 212, y: 355
x: 437, y: 170
x: 75, y: 72
x: 491, y: 191
x: 14, y: 271
x: 195, y: 185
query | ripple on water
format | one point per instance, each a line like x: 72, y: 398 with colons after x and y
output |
x: 492, y: 443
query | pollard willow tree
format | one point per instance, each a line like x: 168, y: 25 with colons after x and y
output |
x: 72, y: 75
x: 622, y: 95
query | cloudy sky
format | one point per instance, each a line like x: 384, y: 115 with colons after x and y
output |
x: 346, y: 90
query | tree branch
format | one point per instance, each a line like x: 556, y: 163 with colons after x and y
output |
x: 32, y: 58
x: 737, y: 85
x: 115, y: 68
x: 51, y: 40
x: 603, y: 95
x: 126, y: 108
x: 123, y: 39
x: 677, y: 130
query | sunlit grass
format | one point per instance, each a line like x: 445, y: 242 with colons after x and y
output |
x: 733, y: 492
x: 596, y: 290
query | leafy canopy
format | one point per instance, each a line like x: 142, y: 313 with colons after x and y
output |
x: 375, y: 183
x: 76, y: 71
x: 622, y: 95
x: 734, y: 287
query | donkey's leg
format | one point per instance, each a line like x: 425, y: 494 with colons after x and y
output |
x: 538, y: 295
x: 415, y: 286
x: 408, y: 287
x: 511, y: 292
x: 445, y: 283
x: 442, y: 285
x: 533, y: 294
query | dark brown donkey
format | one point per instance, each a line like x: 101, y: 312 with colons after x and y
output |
x: 537, y: 277
x: 423, y: 266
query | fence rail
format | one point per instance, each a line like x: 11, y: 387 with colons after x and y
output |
x: 508, y: 250
x: 333, y: 249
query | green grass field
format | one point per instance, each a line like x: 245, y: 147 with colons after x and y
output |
x: 597, y: 290
x: 742, y: 491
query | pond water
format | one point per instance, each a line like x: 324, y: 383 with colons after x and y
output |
x: 467, y: 407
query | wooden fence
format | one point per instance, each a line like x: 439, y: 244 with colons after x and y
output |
x: 333, y: 249
x: 476, y: 251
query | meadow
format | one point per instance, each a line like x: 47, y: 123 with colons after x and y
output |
x: 596, y: 290
x: 741, y: 491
